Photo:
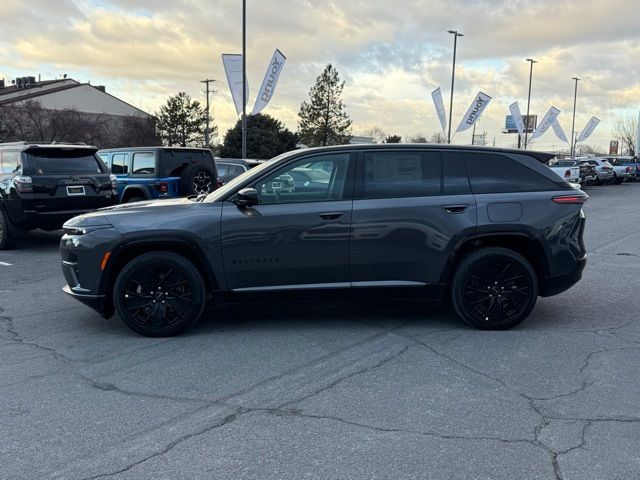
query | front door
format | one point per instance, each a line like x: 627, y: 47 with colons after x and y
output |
x: 297, y: 237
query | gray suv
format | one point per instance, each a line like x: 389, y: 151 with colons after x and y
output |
x: 489, y: 229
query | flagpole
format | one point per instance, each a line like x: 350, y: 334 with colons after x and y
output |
x: 453, y: 76
x: 526, y: 127
x: 244, y: 79
x: 573, y: 123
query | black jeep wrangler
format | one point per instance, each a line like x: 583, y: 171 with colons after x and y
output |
x: 44, y: 185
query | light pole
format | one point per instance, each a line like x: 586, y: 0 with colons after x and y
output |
x: 244, y: 79
x: 573, y: 123
x: 526, y: 126
x: 453, y: 76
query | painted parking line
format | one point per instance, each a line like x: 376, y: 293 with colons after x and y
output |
x: 5, y: 264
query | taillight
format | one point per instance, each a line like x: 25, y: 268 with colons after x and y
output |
x: 628, y: 169
x: 162, y: 187
x: 219, y: 183
x: 571, y: 199
x: 23, y: 184
x: 567, y: 174
x: 114, y: 187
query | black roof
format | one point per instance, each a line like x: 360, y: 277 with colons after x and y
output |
x: 135, y: 149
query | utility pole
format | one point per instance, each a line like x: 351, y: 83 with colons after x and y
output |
x: 207, y: 132
x: 244, y: 79
x: 453, y: 76
x: 573, y: 123
x: 526, y: 126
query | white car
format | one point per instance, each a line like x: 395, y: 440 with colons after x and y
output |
x: 567, y: 169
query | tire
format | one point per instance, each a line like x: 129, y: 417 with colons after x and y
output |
x: 141, y: 290
x: 485, y: 298
x: 135, y: 199
x: 617, y: 180
x: 197, y: 179
x: 7, y: 241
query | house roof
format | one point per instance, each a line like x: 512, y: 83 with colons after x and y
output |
x: 13, y: 89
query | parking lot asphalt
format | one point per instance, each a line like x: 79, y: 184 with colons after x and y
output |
x: 321, y: 391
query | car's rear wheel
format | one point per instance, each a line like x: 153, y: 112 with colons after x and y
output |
x: 617, y: 180
x: 159, y: 294
x: 494, y: 288
x: 6, y: 239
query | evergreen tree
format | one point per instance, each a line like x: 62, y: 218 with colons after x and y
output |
x: 393, y: 139
x: 266, y: 138
x: 181, y: 122
x: 323, y: 120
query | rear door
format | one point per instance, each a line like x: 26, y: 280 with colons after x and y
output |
x: 66, y: 179
x: 408, y: 207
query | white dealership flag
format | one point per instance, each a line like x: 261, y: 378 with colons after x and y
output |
x: 546, y: 122
x: 270, y: 81
x: 233, y: 69
x: 475, y: 110
x: 588, y: 129
x: 517, y: 118
x: 557, y: 129
x: 439, y: 103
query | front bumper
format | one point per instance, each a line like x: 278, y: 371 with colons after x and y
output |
x: 96, y: 302
x: 561, y: 283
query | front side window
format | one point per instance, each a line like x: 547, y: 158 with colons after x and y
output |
x: 120, y: 164
x: 10, y: 162
x: 144, y: 163
x: 402, y: 174
x: 312, y: 179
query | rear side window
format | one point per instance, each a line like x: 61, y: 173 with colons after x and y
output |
x: 120, y: 164
x: 495, y: 173
x: 144, y: 163
x: 455, y: 177
x: 10, y: 161
x: 176, y: 160
x: 64, y: 162
x: 402, y: 174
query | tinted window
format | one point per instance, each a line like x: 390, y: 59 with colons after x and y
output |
x: 10, y: 161
x: 495, y: 173
x: 120, y: 164
x: 176, y: 160
x: 455, y: 177
x: 144, y: 163
x: 64, y: 162
x: 402, y: 174
x: 313, y: 179
x: 223, y: 169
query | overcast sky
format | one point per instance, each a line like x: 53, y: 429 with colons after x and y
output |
x: 391, y: 54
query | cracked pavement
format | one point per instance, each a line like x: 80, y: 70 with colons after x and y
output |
x: 316, y: 391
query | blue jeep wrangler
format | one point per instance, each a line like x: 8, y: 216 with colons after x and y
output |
x: 145, y: 173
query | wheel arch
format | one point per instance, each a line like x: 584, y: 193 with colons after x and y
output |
x: 131, y: 249
x: 131, y: 190
x: 527, y: 246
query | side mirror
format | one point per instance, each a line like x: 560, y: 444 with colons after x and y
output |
x: 247, y: 197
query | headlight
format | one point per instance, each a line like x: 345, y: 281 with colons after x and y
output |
x: 71, y: 230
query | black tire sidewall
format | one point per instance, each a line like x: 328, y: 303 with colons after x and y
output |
x: 6, y: 239
x: 188, y: 175
x: 457, y: 286
x: 177, y: 261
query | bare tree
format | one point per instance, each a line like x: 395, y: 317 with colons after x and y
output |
x: 378, y: 135
x: 138, y: 132
x: 625, y: 129
x: 438, y: 137
x: 417, y: 138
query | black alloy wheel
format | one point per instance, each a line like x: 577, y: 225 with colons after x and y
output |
x: 159, y: 294
x: 494, y: 289
x: 202, y: 183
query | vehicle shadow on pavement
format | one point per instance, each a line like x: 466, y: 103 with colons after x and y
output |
x: 38, y: 241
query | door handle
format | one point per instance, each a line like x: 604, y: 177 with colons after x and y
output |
x: 330, y: 215
x: 455, y: 208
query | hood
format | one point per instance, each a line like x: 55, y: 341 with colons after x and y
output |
x: 147, y: 204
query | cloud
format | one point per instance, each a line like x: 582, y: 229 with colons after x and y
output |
x: 391, y: 54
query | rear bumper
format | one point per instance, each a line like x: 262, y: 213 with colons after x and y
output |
x: 34, y: 219
x: 558, y: 284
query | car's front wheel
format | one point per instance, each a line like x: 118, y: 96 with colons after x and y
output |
x: 159, y: 294
x: 494, y: 288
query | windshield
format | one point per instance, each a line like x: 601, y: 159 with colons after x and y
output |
x: 230, y: 186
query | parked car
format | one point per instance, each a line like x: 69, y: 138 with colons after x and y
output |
x: 588, y: 174
x: 44, y: 185
x: 604, y: 170
x: 145, y: 173
x: 492, y: 229
x: 230, y: 168
x: 567, y: 169
x: 629, y: 165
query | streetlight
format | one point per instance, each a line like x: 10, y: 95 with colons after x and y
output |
x: 573, y: 123
x: 244, y: 79
x: 453, y: 76
x: 526, y: 127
